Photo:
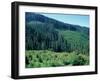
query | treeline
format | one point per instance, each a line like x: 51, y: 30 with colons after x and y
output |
x: 40, y: 36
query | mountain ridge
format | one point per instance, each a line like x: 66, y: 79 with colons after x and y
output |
x: 30, y: 16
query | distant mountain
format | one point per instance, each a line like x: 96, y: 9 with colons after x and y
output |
x: 46, y: 33
x: 57, y: 24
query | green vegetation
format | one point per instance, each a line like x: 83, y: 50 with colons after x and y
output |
x: 78, y: 41
x: 45, y: 58
x: 51, y: 43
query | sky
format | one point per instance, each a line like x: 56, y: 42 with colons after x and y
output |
x: 82, y: 20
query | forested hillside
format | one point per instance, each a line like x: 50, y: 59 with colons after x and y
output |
x: 43, y: 33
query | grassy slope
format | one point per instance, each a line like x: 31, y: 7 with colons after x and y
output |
x: 76, y: 39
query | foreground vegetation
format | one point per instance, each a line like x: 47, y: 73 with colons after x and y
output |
x: 45, y: 58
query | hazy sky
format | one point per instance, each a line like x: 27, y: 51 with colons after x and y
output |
x: 82, y: 20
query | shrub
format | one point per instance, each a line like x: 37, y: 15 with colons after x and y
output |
x: 78, y: 59
x: 35, y: 59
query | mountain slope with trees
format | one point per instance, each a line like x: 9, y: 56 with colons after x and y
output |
x: 46, y: 33
x: 49, y: 42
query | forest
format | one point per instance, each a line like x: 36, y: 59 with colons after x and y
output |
x: 51, y: 43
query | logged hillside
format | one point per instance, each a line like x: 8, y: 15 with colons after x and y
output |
x: 43, y: 33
